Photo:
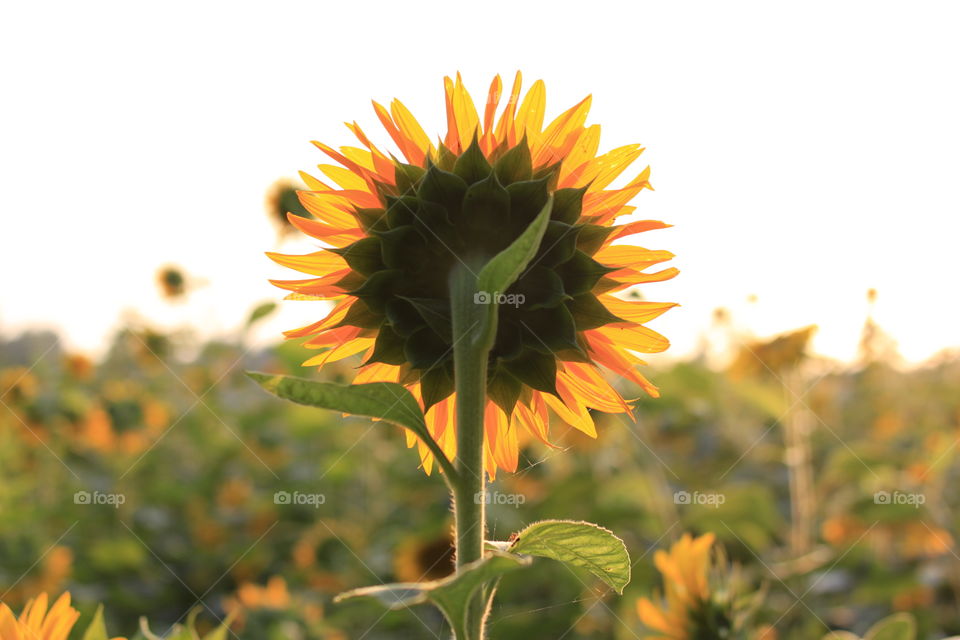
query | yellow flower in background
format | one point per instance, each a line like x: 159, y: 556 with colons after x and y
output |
x: 396, y: 228
x: 685, y: 569
x: 37, y: 623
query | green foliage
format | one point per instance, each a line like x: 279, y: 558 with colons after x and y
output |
x: 900, y: 626
x: 200, y: 478
x: 578, y: 544
x: 450, y: 595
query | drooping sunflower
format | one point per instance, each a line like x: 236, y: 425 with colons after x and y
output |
x: 36, y: 622
x: 396, y: 227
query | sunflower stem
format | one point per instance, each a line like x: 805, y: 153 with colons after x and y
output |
x: 470, y: 353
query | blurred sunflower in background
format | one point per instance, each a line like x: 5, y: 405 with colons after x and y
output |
x: 396, y: 228
x: 700, y: 595
x: 172, y: 283
x: 36, y: 621
x: 282, y: 201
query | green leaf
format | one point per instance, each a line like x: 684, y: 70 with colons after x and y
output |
x: 260, y: 312
x: 505, y: 267
x: 220, y: 633
x: 97, y: 629
x: 900, y: 626
x: 452, y: 595
x: 578, y: 544
x: 386, y: 400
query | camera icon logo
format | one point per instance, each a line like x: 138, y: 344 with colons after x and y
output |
x: 881, y: 497
x: 681, y: 497
x: 481, y: 297
x: 281, y: 497
x: 82, y: 497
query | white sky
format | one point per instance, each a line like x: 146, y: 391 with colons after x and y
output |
x: 804, y: 151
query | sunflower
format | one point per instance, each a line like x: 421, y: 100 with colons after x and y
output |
x: 688, y: 611
x: 36, y: 622
x: 395, y: 228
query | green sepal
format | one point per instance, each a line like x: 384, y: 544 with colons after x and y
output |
x: 424, y: 349
x: 504, y: 389
x: 592, y: 237
x: 361, y: 315
x: 550, y: 330
x: 363, y: 256
x: 371, y: 219
x: 472, y: 166
x: 558, y: 245
x: 568, y: 205
x: 527, y: 199
x: 436, y: 313
x: 376, y: 289
x: 403, y: 317
x: 515, y: 165
x: 443, y: 188
x: 403, y: 248
x: 536, y: 370
x: 486, y: 206
x: 436, y: 384
x: 589, y: 313
x: 406, y: 177
x: 581, y: 273
x: 540, y: 287
x: 401, y: 211
x: 388, y: 347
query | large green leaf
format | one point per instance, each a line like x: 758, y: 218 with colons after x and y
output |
x: 452, y: 595
x: 385, y: 400
x: 578, y: 544
x: 900, y: 626
x: 503, y: 269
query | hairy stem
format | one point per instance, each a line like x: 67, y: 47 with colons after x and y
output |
x: 470, y: 375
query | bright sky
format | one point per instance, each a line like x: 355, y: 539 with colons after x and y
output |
x: 804, y: 151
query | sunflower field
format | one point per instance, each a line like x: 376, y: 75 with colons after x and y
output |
x: 159, y: 480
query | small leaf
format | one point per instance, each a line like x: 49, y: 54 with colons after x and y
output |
x: 579, y: 544
x: 260, y: 312
x: 386, y: 400
x: 220, y: 633
x: 452, y: 594
x: 900, y: 626
x: 97, y: 629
